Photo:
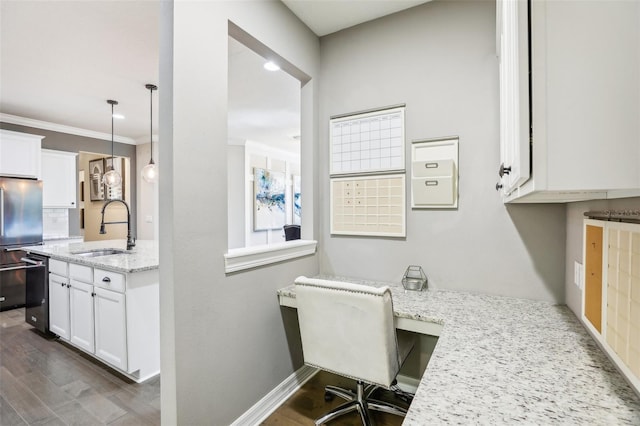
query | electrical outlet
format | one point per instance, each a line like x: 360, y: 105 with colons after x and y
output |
x: 578, y: 275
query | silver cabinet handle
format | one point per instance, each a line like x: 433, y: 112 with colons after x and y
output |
x: 31, y: 261
x: 106, y: 280
x: 14, y: 249
x: 17, y: 268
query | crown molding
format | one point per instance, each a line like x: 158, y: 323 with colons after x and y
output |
x: 144, y: 139
x: 46, y: 125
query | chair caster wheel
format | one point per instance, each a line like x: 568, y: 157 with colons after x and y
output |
x: 328, y: 397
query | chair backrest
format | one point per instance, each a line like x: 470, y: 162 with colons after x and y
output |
x: 291, y: 232
x: 348, y: 329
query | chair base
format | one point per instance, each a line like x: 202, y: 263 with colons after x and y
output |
x: 360, y: 401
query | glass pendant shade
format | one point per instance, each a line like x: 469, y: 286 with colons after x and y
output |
x: 150, y: 173
x: 112, y: 178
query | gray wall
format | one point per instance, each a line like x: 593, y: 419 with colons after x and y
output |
x: 575, y: 217
x: 236, y: 184
x: 224, y: 343
x: 73, y: 143
x: 440, y: 59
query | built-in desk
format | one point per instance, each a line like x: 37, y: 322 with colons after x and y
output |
x: 406, y: 316
x: 502, y: 360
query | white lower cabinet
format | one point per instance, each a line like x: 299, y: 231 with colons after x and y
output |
x: 110, y: 327
x: 111, y: 315
x: 59, y: 306
x: 81, y: 309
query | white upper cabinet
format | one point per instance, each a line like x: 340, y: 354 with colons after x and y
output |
x: 59, y: 179
x: 513, y: 53
x: 19, y: 154
x: 571, y: 77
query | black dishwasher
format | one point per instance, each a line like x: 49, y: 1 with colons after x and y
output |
x: 37, y: 291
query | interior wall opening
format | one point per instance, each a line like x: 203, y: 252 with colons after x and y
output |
x: 263, y: 147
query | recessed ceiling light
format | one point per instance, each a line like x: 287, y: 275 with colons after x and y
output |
x: 270, y: 66
x: 118, y: 116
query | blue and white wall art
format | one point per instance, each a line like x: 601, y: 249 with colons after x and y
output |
x: 269, y: 199
x: 297, y: 201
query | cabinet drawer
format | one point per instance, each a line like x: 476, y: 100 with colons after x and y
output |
x: 58, y: 267
x: 81, y: 272
x: 432, y: 168
x: 432, y: 191
x: 109, y: 280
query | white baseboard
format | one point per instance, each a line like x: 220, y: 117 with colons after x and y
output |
x: 271, y: 401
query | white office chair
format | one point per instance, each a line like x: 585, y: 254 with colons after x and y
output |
x: 348, y: 329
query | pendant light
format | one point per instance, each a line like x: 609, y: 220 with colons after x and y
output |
x: 150, y: 171
x: 112, y: 178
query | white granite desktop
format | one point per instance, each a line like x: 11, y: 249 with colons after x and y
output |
x: 502, y: 360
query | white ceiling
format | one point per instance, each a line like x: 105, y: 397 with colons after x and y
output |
x: 264, y: 106
x: 61, y: 60
x: 328, y: 16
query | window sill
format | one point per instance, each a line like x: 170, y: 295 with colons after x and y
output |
x: 251, y: 257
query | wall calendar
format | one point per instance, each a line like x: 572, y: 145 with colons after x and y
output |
x: 370, y: 142
x: 368, y: 205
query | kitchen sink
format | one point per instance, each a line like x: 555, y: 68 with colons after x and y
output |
x: 99, y: 252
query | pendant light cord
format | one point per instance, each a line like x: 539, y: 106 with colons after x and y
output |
x: 112, y: 138
x: 151, y: 88
x: 151, y: 121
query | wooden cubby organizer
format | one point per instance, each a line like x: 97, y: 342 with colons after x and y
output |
x: 611, y: 297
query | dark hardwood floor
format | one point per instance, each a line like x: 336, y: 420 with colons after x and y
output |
x: 308, y: 403
x: 46, y: 382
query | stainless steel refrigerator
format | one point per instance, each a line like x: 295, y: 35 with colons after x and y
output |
x: 20, y: 225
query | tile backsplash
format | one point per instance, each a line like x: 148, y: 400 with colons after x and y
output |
x: 55, y: 223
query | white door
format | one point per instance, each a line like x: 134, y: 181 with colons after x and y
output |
x: 513, y: 47
x: 81, y: 308
x: 59, y: 179
x: 59, y: 306
x: 110, y: 325
x: 19, y: 154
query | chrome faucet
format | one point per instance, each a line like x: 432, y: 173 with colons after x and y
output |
x: 130, y: 241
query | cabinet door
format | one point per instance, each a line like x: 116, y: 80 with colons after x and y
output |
x: 512, y: 18
x: 59, y: 179
x: 59, y: 306
x: 81, y: 309
x: 110, y: 325
x: 19, y: 154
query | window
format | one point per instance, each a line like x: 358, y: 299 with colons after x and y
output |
x: 263, y: 156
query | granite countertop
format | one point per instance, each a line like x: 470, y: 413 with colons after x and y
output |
x: 502, y: 360
x: 75, y: 239
x: 143, y: 257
